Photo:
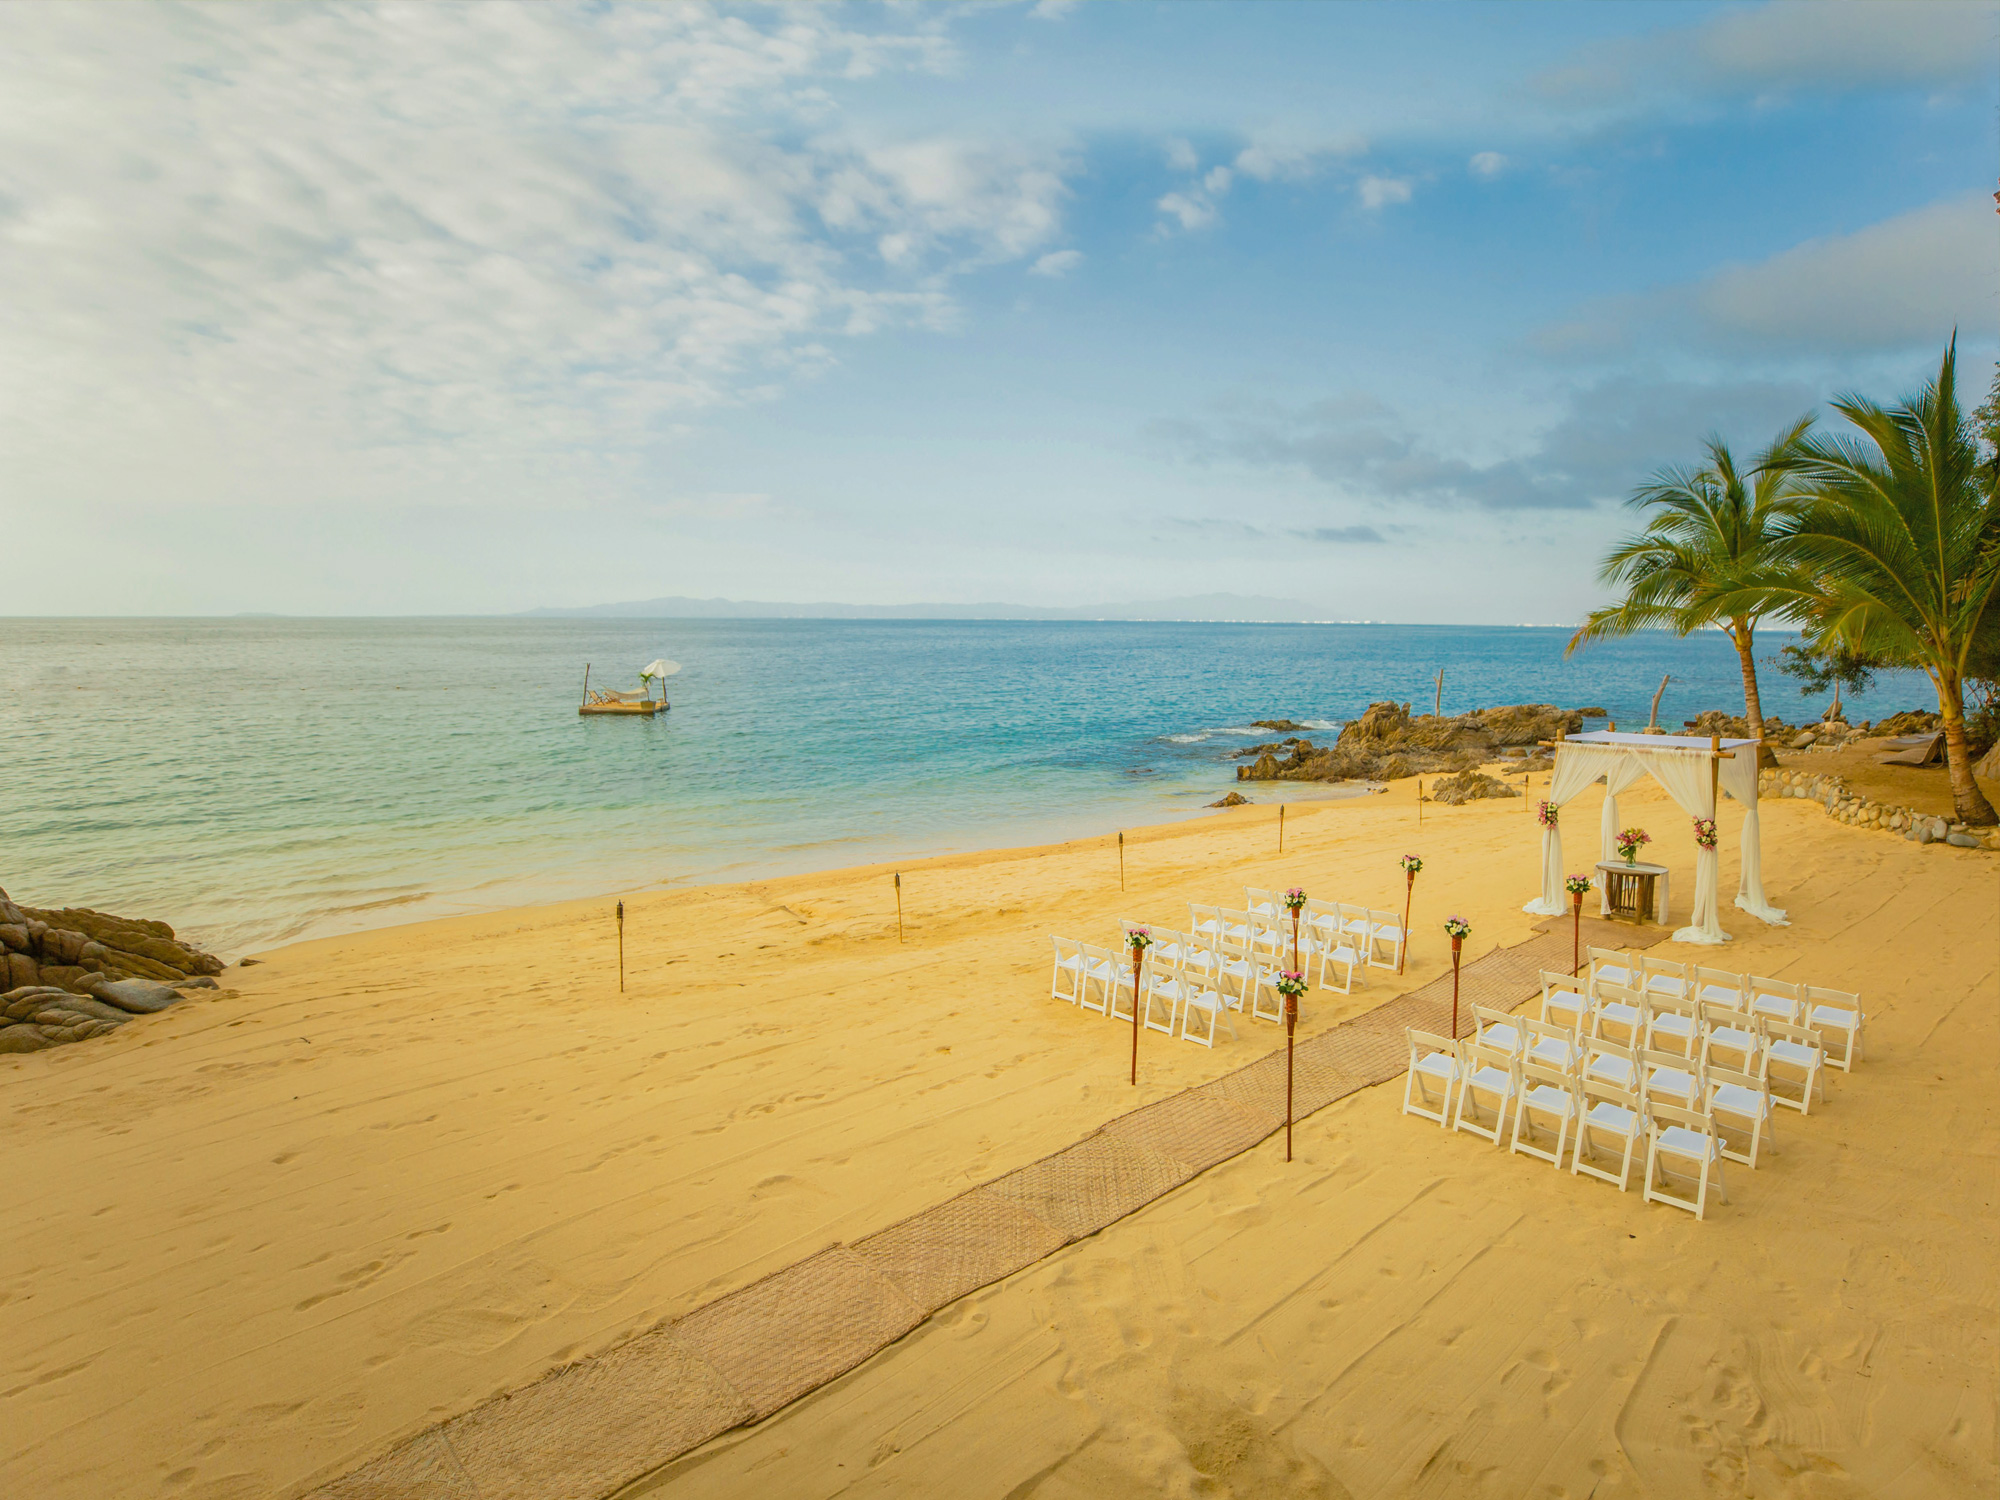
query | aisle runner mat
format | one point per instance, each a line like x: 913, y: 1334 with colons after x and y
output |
x: 583, y: 1431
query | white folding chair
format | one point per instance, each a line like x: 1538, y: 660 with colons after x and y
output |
x: 1612, y: 967
x: 1563, y: 1003
x: 1742, y: 1099
x: 1610, y: 1064
x: 1671, y: 1024
x: 1776, y: 999
x: 1549, y: 1046
x: 1492, y: 1073
x: 1358, y: 928
x: 1613, y: 1122
x: 1839, y: 1013
x: 1261, y: 903
x: 1385, y: 930
x: 1721, y: 987
x: 1798, y: 1050
x: 1336, y: 950
x: 1670, y: 1078
x: 1237, y: 926
x: 1734, y: 1032
x: 1495, y: 1028
x: 1068, y: 980
x: 1266, y: 1004
x: 1100, y: 978
x: 1617, y: 1006
x: 1165, y: 991
x: 1546, y: 1095
x: 1201, y: 1001
x: 1682, y: 1146
x: 1433, y: 1067
x: 1665, y: 976
x: 1205, y: 923
x: 1120, y: 996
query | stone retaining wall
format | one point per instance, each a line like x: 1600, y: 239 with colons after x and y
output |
x: 1842, y: 802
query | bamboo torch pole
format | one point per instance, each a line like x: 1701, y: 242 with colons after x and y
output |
x: 621, y: 947
x: 899, y: 906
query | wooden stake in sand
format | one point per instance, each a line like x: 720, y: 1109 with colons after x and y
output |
x: 621, y: 947
x: 1420, y: 802
x: 1121, y: 861
x: 1281, y: 828
x: 1437, y: 704
x: 899, y: 906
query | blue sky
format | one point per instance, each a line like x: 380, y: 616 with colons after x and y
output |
x: 1380, y: 308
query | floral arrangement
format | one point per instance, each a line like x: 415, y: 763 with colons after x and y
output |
x: 1704, y: 833
x: 1548, y: 813
x: 1631, y: 841
x: 1141, y: 938
x: 1292, y: 983
x: 1457, y: 927
x: 1577, y: 885
x: 1295, y: 899
x: 1411, y: 864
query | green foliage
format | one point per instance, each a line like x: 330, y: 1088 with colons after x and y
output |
x: 1820, y: 669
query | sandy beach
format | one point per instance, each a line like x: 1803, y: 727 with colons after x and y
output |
x: 265, y: 1236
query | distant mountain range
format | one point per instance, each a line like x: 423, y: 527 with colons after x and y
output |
x: 1213, y: 607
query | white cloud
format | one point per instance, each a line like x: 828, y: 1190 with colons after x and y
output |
x: 1057, y: 263
x: 1376, y: 192
x: 1487, y: 164
x: 1052, y: 10
x: 1902, y: 283
x: 1181, y: 156
x: 1192, y: 210
x: 450, y: 251
x: 1788, y: 44
x: 1273, y: 158
x: 1217, y: 180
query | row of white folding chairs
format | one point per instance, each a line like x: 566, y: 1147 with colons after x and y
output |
x: 1594, y: 1122
x: 1696, y: 1030
x: 1175, y: 995
x: 1251, y: 934
x: 1376, y: 936
x: 1836, y: 1014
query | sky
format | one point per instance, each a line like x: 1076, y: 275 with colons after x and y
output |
x: 422, y: 309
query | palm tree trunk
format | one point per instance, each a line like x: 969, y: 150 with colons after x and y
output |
x: 1742, y: 632
x: 1969, y: 804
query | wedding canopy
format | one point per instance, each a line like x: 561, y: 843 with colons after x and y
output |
x: 1692, y: 770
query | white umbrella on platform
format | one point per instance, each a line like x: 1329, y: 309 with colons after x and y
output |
x: 661, y: 668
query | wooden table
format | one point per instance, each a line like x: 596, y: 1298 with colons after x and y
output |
x: 1632, y: 893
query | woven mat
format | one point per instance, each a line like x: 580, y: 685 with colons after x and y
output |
x: 1096, y: 1182
x: 977, y: 1238
x: 585, y: 1430
x: 781, y: 1337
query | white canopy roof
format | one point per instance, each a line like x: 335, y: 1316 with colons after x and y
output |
x: 1649, y: 741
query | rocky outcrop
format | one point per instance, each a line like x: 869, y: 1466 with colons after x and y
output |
x: 1388, y: 742
x: 1234, y: 799
x: 73, y: 974
x: 1467, y: 786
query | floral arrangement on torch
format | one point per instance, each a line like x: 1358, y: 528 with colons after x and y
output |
x: 1141, y: 938
x: 1295, y: 899
x: 1291, y: 982
x: 1577, y: 885
x: 1411, y: 864
x: 1631, y: 841
x: 1704, y: 832
x: 1457, y: 927
x: 1548, y: 813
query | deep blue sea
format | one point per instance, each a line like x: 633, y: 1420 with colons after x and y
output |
x: 253, y: 781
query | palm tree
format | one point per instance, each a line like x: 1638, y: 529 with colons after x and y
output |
x: 1900, y: 549
x: 1715, y: 552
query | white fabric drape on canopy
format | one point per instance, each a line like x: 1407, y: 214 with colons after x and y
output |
x: 1576, y: 768
x: 1621, y: 773
x: 1681, y: 764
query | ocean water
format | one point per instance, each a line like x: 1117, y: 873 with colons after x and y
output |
x: 254, y: 781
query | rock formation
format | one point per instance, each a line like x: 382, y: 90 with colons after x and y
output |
x: 1387, y: 742
x: 69, y: 975
x: 1466, y: 786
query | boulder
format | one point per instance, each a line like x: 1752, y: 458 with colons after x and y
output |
x: 203, y: 982
x: 1468, y: 786
x: 69, y: 976
x: 1804, y: 741
x: 62, y: 945
x: 1234, y: 799
x: 141, y: 997
x: 1282, y: 726
x: 21, y: 970
x: 1962, y: 841
x: 14, y: 936
x: 1910, y: 721
x: 23, y: 1039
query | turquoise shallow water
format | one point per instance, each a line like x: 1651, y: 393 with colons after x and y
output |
x: 256, y: 781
